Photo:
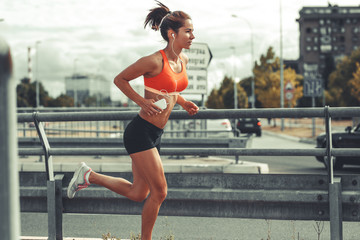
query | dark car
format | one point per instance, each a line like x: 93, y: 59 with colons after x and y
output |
x: 249, y: 125
x: 348, y: 139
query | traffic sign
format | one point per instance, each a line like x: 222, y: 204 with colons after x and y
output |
x: 289, y: 90
x: 199, y: 56
x: 289, y: 86
x: 289, y: 95
x: 313, y: 87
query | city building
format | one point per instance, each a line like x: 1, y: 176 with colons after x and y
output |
x: 327, y: 34
x: 81, y: 86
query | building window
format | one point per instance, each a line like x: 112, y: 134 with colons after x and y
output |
x: 315, y: 39
x: 321, y: 21
x: 308, y: 30
x: 342, y: 38
x: 342, y: 30
x: 328, y: 21
x: 323, y: 31
x: 308, y: 39
x: 315, y: 48
x: 308, y: 48
x: 342, y: 48
x: 315, y: 30
x: 348, y: 21
x: 355, y: 39
x: 355, y: 47
x: 355, y: 20
x: 334, y: 39
x: 335, y: 48
x: 355, y: 30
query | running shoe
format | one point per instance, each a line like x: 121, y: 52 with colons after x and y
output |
x: 80, y: 180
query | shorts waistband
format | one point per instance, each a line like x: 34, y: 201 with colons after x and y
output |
x: 148, y: 124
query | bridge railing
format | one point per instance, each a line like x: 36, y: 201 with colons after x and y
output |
x: 335, y: 193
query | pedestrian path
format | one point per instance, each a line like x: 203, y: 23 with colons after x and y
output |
x: 188, y: 164
x: 68, y: 238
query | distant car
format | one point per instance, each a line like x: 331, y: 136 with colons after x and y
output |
x: 249, y: 125
x: 348, y: 139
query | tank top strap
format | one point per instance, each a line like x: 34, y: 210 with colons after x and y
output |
x: 166, y: 61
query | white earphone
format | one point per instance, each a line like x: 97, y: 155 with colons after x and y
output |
x: 173, y: 35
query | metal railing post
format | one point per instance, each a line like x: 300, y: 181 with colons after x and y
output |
x: 9, y: 184
x: 55, y: 207
x: 335, y: 206
x: 329, y: 158
x: 46, y: 147
x: 335, y: 203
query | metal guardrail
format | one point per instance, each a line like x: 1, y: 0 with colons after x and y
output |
x: 32, y: 146
x: 335, y: 193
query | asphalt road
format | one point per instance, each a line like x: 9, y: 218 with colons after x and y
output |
x: 291, y: 164
x: 184, y: 228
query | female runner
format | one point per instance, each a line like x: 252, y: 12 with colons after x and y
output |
x: 164, y: 77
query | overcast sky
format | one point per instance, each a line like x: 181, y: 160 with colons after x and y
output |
x: 104, y: 37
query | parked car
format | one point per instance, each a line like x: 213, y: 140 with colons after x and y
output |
x: 350, y: 138
x: 249, y: 125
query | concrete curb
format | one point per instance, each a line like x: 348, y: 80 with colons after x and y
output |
x: 241, y: 167
x: 68, y: 238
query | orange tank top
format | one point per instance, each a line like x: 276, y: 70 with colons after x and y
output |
x: 167, y: 81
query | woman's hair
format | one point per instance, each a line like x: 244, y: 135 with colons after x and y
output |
x: 161, y: 18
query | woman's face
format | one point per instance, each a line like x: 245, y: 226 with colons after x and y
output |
x: 185, y: 35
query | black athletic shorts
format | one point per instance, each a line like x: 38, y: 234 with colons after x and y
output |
x: 140, y: 135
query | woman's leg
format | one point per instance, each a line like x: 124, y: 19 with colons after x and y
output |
x: 136, y: 191
x: 148, y: 164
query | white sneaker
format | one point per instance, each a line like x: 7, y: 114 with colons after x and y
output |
x: 80, y: 180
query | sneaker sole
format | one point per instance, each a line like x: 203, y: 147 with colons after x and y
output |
x: 73, y: 180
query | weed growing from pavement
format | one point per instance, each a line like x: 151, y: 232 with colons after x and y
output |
x: 108, y: 236
x: 169, y: 236
x: 319, y: 227
x: 133, y: 236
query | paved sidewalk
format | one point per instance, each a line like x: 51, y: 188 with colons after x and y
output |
x: 188, y: 164
x: 70, y: 238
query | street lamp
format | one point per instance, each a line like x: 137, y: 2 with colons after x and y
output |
x: 75, y: 83
x: 235, y: 88
x: 281, y: 68
x: 37, y: 75
x: 252, y: 58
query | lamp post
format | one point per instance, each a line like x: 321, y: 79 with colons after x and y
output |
x: 235, y: 88
x: 37, y: 75
x: 75, y: 83
x: 281, y: 69
x: 252, y: 57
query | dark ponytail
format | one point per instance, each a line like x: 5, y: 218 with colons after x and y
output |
x: 161, y: 18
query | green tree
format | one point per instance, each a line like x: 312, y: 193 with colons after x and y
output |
x: 224, y: 96
x: 339, y: 89
x: 214, y: 100
x: 25, y: 93
x: 354, y: 83
x: 61, y: 101
x: 267, y: 81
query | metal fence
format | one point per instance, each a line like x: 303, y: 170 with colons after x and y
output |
x: 334, y: 184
